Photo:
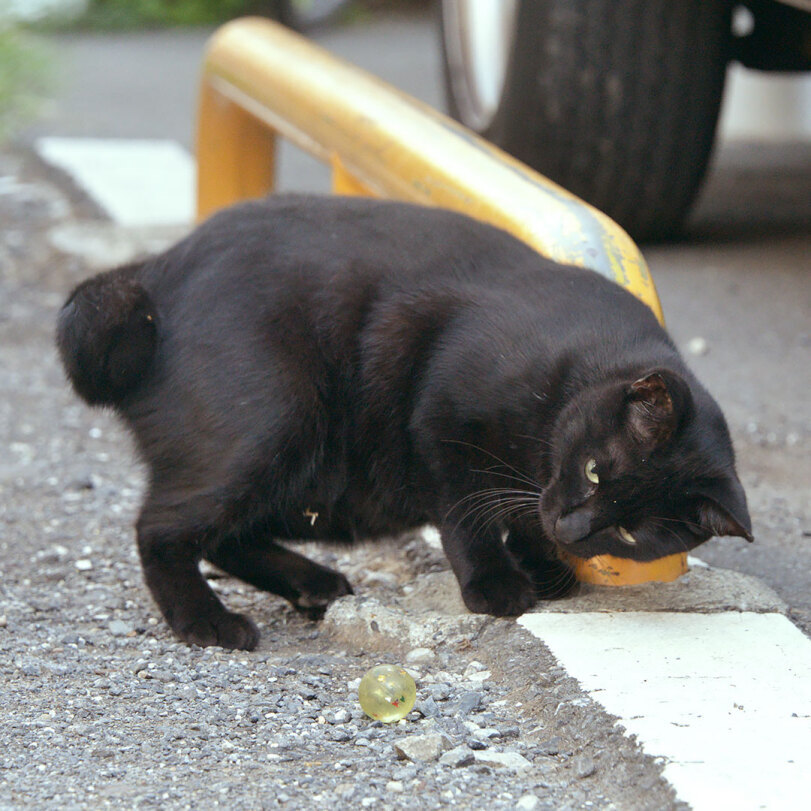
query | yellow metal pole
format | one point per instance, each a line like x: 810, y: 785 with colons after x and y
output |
x: 397, y: 147
x: 343, y: 182
x: 235, y: 152
x: 261, y: 80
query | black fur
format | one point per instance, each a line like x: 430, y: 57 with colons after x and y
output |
x: 341, y: 368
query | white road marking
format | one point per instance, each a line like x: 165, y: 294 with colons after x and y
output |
x: 724, y: 698
x: 137, y: 182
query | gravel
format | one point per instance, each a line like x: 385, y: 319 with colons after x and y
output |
x: 103, y: 707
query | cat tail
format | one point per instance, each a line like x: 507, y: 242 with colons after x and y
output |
x: 106, y: 335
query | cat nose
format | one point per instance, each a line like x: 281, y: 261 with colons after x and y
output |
x: 573, y: 526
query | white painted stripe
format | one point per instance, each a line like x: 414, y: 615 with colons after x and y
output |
x: 136, y: 182
x: 725, y: 699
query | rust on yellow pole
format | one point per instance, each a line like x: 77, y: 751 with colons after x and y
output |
x: 261, y: 80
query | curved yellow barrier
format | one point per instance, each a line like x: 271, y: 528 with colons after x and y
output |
x: 261, y: 80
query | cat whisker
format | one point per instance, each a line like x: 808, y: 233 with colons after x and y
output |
x: 495, y: 511
x: 560, y: 579
x: 498, y: 490
x: 494, y: 494
x: 492, y: 472
x: 535, y: 439
x: 494, y: 504
x: 523, y: 476
x: 496, y: 518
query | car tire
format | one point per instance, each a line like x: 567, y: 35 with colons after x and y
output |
x: 616, y: 100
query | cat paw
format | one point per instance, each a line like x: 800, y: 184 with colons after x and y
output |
x: 318, y: 592
x: 226, y: 629
x: 504, y: 594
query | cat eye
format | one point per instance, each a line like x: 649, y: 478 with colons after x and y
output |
x: 591, y: 471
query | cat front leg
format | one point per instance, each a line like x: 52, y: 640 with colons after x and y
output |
x: 309, y: 586
x: 170, y: 560
x: 490, y: 581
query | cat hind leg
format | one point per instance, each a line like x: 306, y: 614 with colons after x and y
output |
x: 170, y: 556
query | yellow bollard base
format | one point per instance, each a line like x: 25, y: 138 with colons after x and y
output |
x: 607, y: 570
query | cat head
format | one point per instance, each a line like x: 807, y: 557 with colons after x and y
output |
x: 642, y: 469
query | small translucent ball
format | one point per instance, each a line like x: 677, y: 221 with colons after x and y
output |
x: 387, y: 693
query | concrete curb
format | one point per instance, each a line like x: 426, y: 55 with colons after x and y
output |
x: 703, y: 589
x: 433, y: 610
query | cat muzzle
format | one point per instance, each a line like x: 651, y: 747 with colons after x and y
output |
x: 573, y: 526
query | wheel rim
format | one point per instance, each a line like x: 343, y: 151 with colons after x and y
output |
x: 478, y: 39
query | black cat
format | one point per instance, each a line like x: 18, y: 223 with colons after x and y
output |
x: 331, y: 368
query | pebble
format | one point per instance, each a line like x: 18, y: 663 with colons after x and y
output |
x: 468, y: 703
x: 507, y: 760
x: 472, y: 668
x: 428, y: 707
x: 420, y: 656
x: 376, y: 579
x: 486, y: 733
x: 345, y: 790
x: 584, y: 766
x: 440, y: 691
x: 83, y: 564
x: 550, y: 747
x: 339, y: 734
x: 457, y: 757
x: 120, y: 628
x: 421, y: 748
x: 528, y: 802
x: 340, y: 716
x: 404, y: 772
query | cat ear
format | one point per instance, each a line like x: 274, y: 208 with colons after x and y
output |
x: 656, y: 404
x: 722, y: 509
